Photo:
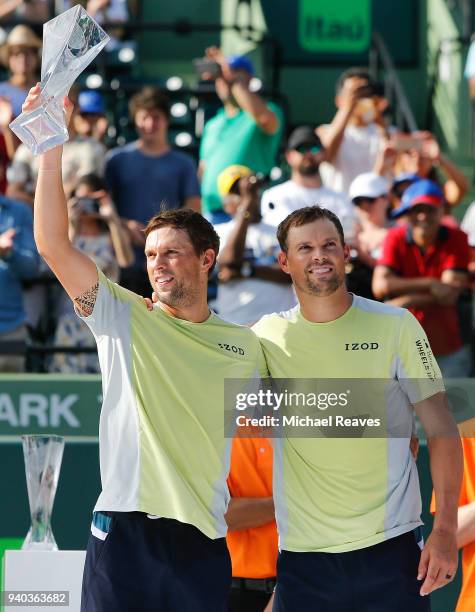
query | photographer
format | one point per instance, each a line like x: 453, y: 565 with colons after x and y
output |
x: 246, y: 131
x: 251, y: 283
x: 357, y: 132
x: 95, y: 229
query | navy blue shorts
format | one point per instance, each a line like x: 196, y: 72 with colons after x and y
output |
x: 138, y: 564
x: 380, y: 578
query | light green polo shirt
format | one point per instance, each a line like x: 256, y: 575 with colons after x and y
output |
x: 341, y: 494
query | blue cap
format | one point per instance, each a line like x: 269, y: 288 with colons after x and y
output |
x: 91, y: 102
x: 240, y: 62
x: 422, y: 191
x: 406, y: 177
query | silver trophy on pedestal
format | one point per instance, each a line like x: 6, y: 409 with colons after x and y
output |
x: 43, y: 455
x: 70, y: 42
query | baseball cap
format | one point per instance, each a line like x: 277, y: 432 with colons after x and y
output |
x: 228, y: 177
x: 303, y: 135
x: 368, y: 185
x: 91, y: 102
x: 405, y: 177
x: 240, y: 62
x: 422, y: 191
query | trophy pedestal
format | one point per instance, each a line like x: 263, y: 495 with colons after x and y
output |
x: 41, y: 129
x: 31, y: 570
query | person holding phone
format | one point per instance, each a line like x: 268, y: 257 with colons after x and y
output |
x: 357, y: 133
x: 246, y: 131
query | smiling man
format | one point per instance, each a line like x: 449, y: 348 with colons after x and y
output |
x: 157, y: 535
x: 424, y: 267
x: 348, y: 510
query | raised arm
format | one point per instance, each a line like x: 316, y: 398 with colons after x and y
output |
x: 74, y: 270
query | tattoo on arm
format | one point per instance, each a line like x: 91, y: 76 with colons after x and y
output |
x: 85, y: 302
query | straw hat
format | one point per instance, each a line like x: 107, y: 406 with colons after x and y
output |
x: 20, y: 36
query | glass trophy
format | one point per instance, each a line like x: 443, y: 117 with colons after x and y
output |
x: 70, y: 42
x: 43, y: 455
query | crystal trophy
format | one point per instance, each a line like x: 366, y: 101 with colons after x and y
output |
x: 70, y: 42
x: 43, y: 455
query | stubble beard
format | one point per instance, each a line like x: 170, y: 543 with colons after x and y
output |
x: 178, y: 297
x: 323, y: 288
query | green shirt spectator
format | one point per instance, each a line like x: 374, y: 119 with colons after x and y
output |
x: 246, y: 131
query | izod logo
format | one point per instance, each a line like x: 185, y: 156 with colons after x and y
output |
x: 362, y: 346
x: 336, y: 26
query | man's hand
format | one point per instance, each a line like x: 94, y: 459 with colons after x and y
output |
x: 439, y: 561
x: 33, y: 100
x: 443, y: 292
x: 149, y: 302
x: 6, y: 242
x: 352, y: 91
x: 215, y: 54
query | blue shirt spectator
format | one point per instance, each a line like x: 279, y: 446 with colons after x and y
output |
x: 142, y: 184
x: 19, y: 260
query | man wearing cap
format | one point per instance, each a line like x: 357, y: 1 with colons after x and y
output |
x: 90, y: 120
x: 424, y: 267
x: 304, y: 153
x: 251, y: 283
x: 245, y: 131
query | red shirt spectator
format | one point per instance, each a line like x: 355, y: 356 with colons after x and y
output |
x: 450, y: 251
x: 423, y: 267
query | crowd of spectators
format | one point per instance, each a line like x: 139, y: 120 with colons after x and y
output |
x: 394, y: 193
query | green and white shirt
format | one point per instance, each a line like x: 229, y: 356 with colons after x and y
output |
x: 161, y: 432
x: 342, y: 494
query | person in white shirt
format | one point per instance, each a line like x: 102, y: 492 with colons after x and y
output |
x: 250, y: 281
x: 357, y: 132
x: 304, y: 155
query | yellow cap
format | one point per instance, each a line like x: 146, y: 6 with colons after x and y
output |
x: 229, y: 176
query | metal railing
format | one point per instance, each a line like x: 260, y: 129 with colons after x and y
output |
x: 380, y: 59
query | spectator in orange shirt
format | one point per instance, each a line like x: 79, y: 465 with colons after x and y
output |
x: 466, y: 519
x: 252, y: 535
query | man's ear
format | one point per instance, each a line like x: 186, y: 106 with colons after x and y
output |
x: 208, y: 259
x: 346, y: 252
x: 282, y: 259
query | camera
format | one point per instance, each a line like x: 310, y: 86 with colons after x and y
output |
x: 207, y: 69
x: 88, y: 206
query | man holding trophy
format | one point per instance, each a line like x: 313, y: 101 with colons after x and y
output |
x: 158, y: 531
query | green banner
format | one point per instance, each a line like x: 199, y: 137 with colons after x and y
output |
x: 338, y: 26
x: 63, y: 405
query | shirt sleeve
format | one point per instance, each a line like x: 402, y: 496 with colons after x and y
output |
x: 389, y: 256
x: 416, y: 367
x: 112, y: 300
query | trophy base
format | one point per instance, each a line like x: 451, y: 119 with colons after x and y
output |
x: 40, y: 129
x: 47, y: 543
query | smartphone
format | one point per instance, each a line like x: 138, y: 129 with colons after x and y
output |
x: 406, y: 142
x: 207, y: 69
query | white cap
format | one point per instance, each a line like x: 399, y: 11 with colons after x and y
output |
x: 368, y: 185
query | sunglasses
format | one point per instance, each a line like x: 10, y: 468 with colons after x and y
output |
x: 361, y: 200
x: 304, y: 148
